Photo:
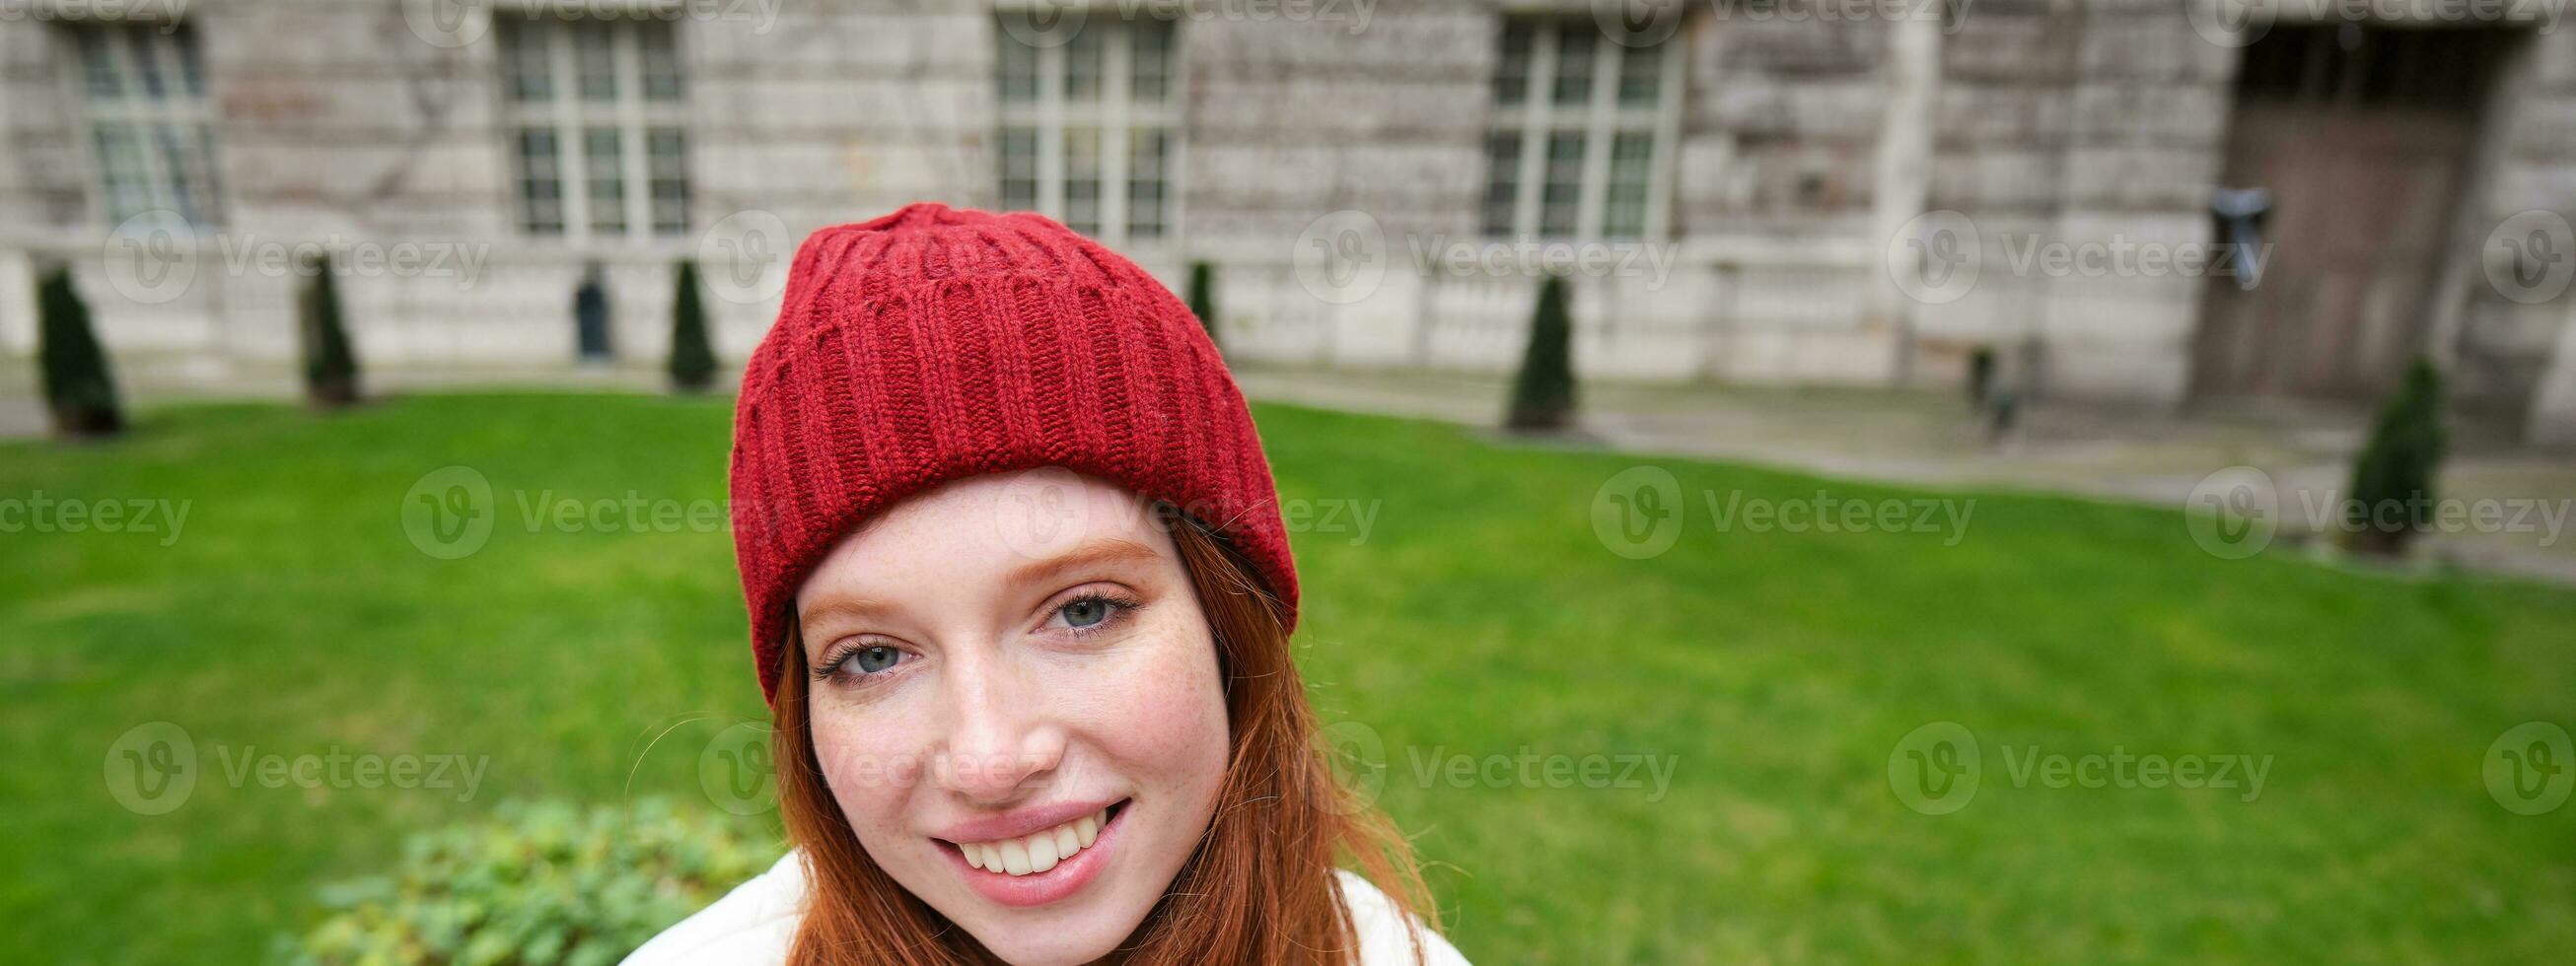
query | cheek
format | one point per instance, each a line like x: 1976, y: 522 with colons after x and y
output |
x: 1159, y: 715
x: 869, y: 768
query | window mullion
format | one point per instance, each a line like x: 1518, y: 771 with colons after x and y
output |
x: 1115, y: 47
x: 627, y: 60
x: 1534, y: 118
x: 142, y: 122
x: 1660, y: 185
x: 1598, y: 120
x: 571, y: 160
x: 174, y: 118
x: 1050, y: 129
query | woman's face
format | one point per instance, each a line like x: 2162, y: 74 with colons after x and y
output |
x: 1016, y: 702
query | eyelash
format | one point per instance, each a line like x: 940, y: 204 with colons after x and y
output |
x: 1121, y: 607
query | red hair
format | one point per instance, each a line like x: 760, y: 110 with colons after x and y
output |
x: 1260, y: 889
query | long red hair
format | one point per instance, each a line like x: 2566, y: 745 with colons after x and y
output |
x: 1260, y: 889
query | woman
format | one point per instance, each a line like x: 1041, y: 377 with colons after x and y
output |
x: 1020, y: 599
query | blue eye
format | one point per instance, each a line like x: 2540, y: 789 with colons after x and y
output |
x: 1087, y: 612
x: 870, y: 660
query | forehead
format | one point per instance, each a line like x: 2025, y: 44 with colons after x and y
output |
x: 984, y: 526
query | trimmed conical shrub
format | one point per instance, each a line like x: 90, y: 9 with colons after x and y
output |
x: 693, y: 360
x: 78, y: 388
x: 1543, y: 396
x: 2392, y: 482
x: 1203, y: 299
x: 330, y: 365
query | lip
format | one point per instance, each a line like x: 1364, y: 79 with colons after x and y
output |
x: 1052, y: 885
x: 1026, y: 821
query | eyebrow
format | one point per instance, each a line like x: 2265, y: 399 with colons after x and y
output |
x: 1100, y: 552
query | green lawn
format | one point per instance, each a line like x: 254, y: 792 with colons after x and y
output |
x: 1775, y: 672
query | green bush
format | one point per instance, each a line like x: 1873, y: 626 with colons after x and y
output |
x: 78, y: 388
x: 1203, y: 299
x: 541, y: 883
x: 2392, y: 481
x: 1543, y: 395
x: 693, y: 361
x: 330, y: 365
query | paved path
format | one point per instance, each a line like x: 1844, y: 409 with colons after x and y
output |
x: 1932, y: 439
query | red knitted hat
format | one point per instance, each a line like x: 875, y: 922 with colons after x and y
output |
x: 933, y: 344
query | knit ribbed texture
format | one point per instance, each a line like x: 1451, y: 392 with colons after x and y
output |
x: 933, y: 344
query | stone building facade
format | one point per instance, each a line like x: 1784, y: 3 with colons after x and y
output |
x: 1836, y: 191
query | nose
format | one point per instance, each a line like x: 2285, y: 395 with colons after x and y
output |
x: 1003, y: 742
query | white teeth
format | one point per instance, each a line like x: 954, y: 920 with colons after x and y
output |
x: 1041, y: 852
x: 1038, y: 852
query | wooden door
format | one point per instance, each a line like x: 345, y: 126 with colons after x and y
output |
x: 2362, y: 136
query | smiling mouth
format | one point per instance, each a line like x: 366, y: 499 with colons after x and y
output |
x: 1038, y: 851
